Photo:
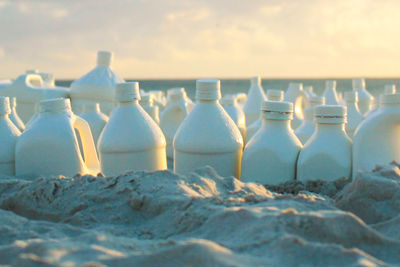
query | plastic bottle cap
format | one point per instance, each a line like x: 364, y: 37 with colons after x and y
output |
x: 390, y: 89
x: 104, y: 58
x: 127, y: 92
x: 331, y: 84
x: 275, y: 95
x: 176, y: 93
x: 55, y: 105
x: 208, y: 89
x: 358, y: 83
x: 4, y: 105
x: 390, y: 99
x: 228, y: 100
x: 330, y: 114
x: 351, y: 96
x: 277, y: 110
x: 317, y: 100
x: 256, y: 80
x: 296, y: 86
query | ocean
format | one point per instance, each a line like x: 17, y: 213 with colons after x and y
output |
x: 229, y: 86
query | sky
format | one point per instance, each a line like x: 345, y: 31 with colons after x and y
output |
x: 202, y: 38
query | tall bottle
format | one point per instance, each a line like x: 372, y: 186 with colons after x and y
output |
x: 131, y: 140
x: 327, y: 154
x: 255, y: 97
x: 147, y: 103
x: 208, y: 136
x: 9, y: 134
x: 376, y: 140
x: 14, y: 115
x: 299, y: 98
x: 330, y: 94
x: 50, y: 146
x: 354, y: 117
x: 95, y: 118
x: 270, y: 156
x: 307, y: 127
x: 365, y: 99
x: 272, y: 95
x: 229, y: 103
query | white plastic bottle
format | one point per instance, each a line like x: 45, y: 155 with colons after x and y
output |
x: 147, y: 103
x: 229, y: 103
x: 330, y: 94
x: 365, y: 99
x: 270, y: 156
x: 272, y: 95
x: 208, y: 136
x: 255, y: 97
x: 309, y: 90
x: 48, y: 79
x: 307, y: 127
x: 9, y: 134
x: 327, y: 154
x: 131, y: 140
x: 354, y: 117
x: 50, y: 145
x: 14, y: 115
x: 376, y: 140
x: 95, y: 118
x: 299, y: 98
x: 175, y: 112
x: 98, y: 85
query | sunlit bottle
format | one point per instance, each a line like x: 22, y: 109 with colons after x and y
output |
x: 14, y: 115
x: 330, y: 94
x: 299, y: 98
x: 236, y: 113
x: 365, y: 99
x: 255, y: 97
x: 147, y: 103
x: 95, y: 118
x: 354, y: 117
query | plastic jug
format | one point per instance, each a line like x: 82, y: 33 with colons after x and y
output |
x: 272, y: 95
x: 95, y: 118
x: 327, y: 154
x: 354, y: 117
x: 388, y: 89
x: 98, y: 85
x: 208, y: 136
x: 14, y: 115
x: 9, y: 134
x: 50, y: 145
x: 229, y: 103
x: 255, y: 97
x: 29, y: 90
x: 34, y: 116
x: 173, y: 115
x: 365, y: 99
x: 270, y: 156
x: 376, y: 140
x: 299, y: 98
x: 307, y: 127
x: 330, y: 94
x: 147, y: 103
x: 131, y: 140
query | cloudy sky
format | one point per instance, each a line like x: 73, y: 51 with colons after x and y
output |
x: 199, y: 38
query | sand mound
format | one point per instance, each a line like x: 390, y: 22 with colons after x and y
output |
x: 163, y: 219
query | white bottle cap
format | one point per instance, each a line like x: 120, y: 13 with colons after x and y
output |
x: 330, y: 84
x: 358, y: 83
x: 390, y: 89
x: 296, y: 86
x: 330, y: 114
x: 351, y: 96
x: 104, y: 58
x: 393, y: 99
x: 256, y: 80
x: 126, y: 92
x: 228, y: 100
x: 5, y: 105
x: 176, y: 93
x: 275, y: 95
x: 55, y: 105
x: 277, y: 110
x: 208, y: 89
x: 317, y: 100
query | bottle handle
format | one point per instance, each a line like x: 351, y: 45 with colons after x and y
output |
x: 33, y: 80
x: 91, y: 160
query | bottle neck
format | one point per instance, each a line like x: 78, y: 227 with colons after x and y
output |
x: 283, y: 125
x: 210, y: 102
x: 330, y: 127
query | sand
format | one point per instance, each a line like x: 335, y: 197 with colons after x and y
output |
x: 202, y: 219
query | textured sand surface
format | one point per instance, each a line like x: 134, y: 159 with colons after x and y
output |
x: 163, y: 219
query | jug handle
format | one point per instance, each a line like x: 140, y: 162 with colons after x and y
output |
x: 33, y: 80
x: 298, y: 103
x: 91, y: 160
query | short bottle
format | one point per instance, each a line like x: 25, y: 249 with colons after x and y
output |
x: 208, y: 136
x: 272, y: 95
x: 376, y: 140
x: 330, y: 94
x: 9, y: 134
x: 299, y: 98
x: 327, y: 154
x: 255, y: 97
x: 229, y: 103
x: 270, y: 156
x: 175, y: 112
x: 147, y: 103
x: 307, y: 127
x: 50, y: 146
x: 365, y: 99
x: 131, y: 140
x: 14, y: 115
x: 95, y: 118
x: 354, y: 117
